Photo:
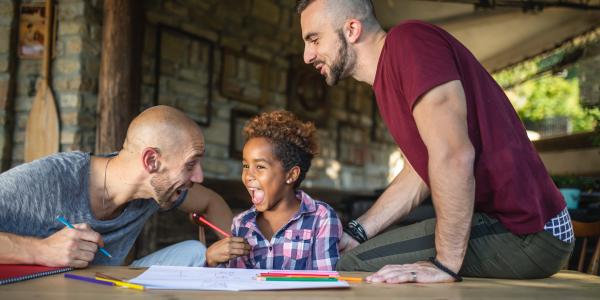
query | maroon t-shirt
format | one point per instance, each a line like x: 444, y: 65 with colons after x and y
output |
x: 511, y: 183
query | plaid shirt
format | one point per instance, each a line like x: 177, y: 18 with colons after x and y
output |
x: 309, y: 241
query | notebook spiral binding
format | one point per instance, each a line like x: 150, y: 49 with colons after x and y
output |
x: 32, y: 276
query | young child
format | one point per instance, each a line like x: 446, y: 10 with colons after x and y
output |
x: 285, y: 228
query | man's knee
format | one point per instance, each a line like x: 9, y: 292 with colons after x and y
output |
x: 194, y: 250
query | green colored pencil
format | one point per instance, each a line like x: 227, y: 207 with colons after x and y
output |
x: 296, y: 279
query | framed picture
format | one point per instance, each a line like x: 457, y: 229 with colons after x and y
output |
x: 352, y: 144
x: 238, y: 120
x: 184, y: 72
x: 244, y: 77
x: 307, y: 93
x: 32, y: 30
x: 359, y: 97
x: 379, y: 131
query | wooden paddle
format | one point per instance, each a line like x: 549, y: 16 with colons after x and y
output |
x: 42, y: 132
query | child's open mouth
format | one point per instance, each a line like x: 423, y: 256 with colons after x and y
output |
x: 257, y: 195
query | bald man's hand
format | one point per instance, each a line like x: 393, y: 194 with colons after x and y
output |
x: 69, y: 247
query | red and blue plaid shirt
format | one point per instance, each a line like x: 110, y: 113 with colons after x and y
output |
x: 309, y: 241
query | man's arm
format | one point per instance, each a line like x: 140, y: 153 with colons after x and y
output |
x: 67, y: 247
x: 441, y: 118
x: 406, y: 192
x: 208, y: 203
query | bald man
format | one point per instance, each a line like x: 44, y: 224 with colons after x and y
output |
x: 108, y: 199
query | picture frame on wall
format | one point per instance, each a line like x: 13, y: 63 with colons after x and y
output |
x: 379, y: 131
x: 32, y: 30
x: 352, y: 147
x: 244, y: 77
x: 238, y: 120
x: 184, y: 72
x: 307, y: 93
x: 358, y: 98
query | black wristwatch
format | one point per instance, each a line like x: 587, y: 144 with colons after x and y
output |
x: 356, y: 231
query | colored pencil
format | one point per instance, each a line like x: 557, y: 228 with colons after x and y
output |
x: 346, y: 278
x: 209, y: 224
x: 357, y: 279
x: 105, y: 276
x: 64, y: 221
x: 88, y: 279
x: 285, y: 272
x: 123, y: 284
x: 296, y: 279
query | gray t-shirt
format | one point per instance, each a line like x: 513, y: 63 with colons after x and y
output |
x: 33, y: 195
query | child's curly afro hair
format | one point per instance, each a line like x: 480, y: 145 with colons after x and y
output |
x: 294, y: 142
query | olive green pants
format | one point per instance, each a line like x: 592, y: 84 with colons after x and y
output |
x: 493, y: 251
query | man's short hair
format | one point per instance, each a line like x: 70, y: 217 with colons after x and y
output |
x: 342, y: 10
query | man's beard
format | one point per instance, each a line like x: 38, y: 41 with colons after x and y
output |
x: 162, y: 191
x: 343, y: 64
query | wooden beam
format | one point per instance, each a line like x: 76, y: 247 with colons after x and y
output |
x: 120, y: 72
x: 7, y: 90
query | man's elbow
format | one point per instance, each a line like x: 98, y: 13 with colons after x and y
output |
x: 457, y: 158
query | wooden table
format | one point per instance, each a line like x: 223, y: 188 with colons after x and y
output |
x: 565, y: 285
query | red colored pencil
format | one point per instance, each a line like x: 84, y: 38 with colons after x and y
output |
x: 209, y: 224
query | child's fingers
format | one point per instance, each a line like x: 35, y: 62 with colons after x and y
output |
x: 237, y: 239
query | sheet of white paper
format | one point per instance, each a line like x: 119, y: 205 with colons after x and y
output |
x: 219, y: 279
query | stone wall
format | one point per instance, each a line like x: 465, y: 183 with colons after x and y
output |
x: 589, y: 72
x: 74, y: 77
x: 214, y: 60
x: 255, y: 44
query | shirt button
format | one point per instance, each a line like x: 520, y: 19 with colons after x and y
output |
x: 270, y: 248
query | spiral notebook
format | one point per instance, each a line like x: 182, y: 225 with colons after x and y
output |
x: 15, y: 273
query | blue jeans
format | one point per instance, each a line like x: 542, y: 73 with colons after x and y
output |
x: 184, y: 254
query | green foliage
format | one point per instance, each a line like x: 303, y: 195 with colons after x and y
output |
x: 546, y: 96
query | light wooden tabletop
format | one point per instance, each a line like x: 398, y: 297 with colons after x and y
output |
x: 565, y: 285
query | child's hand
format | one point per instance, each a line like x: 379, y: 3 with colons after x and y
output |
x: 226, y: 249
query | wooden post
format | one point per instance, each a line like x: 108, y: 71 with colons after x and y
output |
x: 7, y: 91
x: 120, y: 72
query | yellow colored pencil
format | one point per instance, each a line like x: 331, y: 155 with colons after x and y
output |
x: 123, y: 284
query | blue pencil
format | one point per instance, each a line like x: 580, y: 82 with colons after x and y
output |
x: 64, y: 221
x: 88, y: 279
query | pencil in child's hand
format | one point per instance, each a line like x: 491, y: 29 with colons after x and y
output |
x: 198, y: 217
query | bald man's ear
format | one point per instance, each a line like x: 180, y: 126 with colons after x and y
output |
x: 150, y: 159
x: 352, y: 30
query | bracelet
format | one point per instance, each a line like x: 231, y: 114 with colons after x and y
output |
x: 356, y: 231
x: 439, y: 265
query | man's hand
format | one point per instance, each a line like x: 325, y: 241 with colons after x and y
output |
x: 226, y: 249
x: 422, y: 272
x: 347, y: 243
x: 69, y: 247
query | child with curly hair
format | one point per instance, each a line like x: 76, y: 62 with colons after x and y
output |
x: 285, y: 228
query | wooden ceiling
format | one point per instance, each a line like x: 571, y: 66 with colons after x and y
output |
x: 499, y: 33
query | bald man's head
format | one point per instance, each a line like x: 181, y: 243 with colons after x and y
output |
x: 171, y: 147
x: 162, y: 127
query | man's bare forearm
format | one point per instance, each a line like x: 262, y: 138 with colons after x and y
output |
x: 405, y: 192
x: 16, y: 249
x: 453, y: 192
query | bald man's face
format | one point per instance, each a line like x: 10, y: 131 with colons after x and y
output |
x: 179, y: 171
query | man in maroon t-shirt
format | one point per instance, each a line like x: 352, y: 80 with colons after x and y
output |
x: 498, y: 212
